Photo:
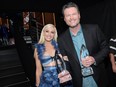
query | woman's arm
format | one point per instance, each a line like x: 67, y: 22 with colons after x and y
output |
x: 38, y: 67
x: 112, y: 59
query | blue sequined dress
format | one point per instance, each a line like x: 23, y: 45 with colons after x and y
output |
x: 49, y: 76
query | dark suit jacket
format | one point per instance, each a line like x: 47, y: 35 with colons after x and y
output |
x: 97, y: 47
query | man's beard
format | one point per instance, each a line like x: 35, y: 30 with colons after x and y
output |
x: 75, y: 25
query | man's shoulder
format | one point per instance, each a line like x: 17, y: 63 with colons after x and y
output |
x: 113, y: 38
x: 89, y: 24
x: 63, y: 33
x: 91, y: 27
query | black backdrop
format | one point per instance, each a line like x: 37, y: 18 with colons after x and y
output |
x: 103, y: 14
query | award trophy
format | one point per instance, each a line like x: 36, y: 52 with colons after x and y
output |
x: 86, y: 71
x: 64, y: 75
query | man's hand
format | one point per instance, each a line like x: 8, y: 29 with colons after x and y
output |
x: 88, y: 61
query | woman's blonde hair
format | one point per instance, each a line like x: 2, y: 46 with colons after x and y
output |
x: 42, y: 39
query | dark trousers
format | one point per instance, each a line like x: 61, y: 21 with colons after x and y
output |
x: 111, y: 76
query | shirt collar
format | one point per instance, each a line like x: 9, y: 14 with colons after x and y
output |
x: 78, y: 33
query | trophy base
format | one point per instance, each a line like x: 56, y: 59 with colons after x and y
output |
x: 87, y: 71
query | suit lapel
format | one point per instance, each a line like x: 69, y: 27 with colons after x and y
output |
x: 70, y: 46
x: 86, y: 37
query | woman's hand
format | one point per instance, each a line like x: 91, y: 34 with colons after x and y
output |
x: 64, y: 76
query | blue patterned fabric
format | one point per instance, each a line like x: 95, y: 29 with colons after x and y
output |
x: 49, y: 76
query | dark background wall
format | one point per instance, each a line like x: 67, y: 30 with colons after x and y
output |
x: 101, y: 12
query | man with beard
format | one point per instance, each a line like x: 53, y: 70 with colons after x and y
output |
x: 86, y: 48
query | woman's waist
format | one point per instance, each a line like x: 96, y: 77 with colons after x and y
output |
x: 49, y: 67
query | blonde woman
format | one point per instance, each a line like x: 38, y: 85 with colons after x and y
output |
x: 44, y: 54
